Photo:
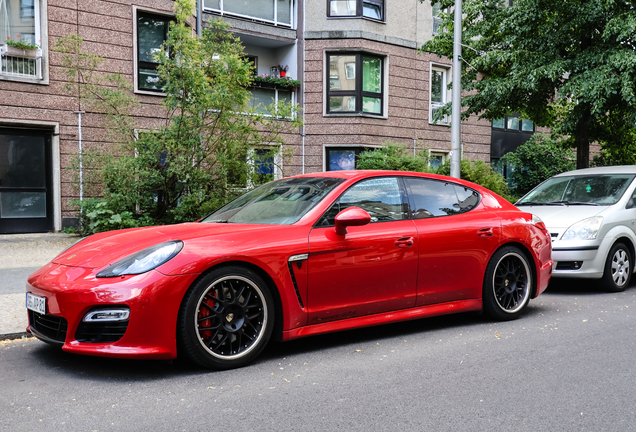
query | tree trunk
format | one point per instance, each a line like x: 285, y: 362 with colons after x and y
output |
x: 582, y: 141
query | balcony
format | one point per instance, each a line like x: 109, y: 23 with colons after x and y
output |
x: 21, y: 63
x: 274, y: 12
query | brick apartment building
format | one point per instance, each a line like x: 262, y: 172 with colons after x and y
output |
x: 363, y: 83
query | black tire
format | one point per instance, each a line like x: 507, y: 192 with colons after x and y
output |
x: 226, y: 318
x: 507, y: 284
x: 618, y: 268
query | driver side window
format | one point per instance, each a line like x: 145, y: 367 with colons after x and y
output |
x: 383, y: 198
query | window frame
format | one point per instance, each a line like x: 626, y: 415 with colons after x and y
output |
x: 436, y: 19
x: 358, y: 93
x: 445, y: 93
x: 360, y: 10
x: 221, y: 11
x: 136, y: 12
x: 40, y: 59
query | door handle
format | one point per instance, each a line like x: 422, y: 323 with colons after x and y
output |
x: 485, y: 232
x: 404, y: 242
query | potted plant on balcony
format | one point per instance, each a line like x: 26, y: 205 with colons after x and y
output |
x: 282, y: 70
x: 275, y: 81
x: 20, y: 48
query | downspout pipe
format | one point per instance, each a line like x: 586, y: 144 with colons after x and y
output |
x: 81, y: 168
x: 199, y: 17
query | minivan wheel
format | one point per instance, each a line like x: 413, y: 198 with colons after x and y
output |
x: 618, y: 269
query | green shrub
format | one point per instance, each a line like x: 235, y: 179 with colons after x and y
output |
x: 481, y: 173
x: 395, y: 157
x: 98, y: 215
x: 537, y: 160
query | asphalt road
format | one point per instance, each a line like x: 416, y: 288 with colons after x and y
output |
x: 568, y: 364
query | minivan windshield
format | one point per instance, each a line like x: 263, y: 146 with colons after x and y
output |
x: 280, y: 202
x: 604, y: 190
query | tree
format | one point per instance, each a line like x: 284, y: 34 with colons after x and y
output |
x: 569, y: 65
x: 204, y: 153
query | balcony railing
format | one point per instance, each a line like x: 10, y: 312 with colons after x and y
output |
x: 435, y: 106
x: 21, y: 63
x: 276, y: 12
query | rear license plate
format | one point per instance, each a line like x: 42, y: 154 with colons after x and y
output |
x: 36, y: 303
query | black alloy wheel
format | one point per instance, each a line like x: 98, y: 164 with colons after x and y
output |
x: 507, y: 284
x: 226, y: 318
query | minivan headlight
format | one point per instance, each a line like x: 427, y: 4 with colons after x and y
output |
x: 587, y: 229
x: 144, y: 260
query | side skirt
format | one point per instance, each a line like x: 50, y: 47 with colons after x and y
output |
x: 384, y: 318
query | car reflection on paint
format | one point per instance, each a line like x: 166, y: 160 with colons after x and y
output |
x: 296, y: 257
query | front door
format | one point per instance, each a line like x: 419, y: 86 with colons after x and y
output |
x: 371, y: 269
x: 25, y: 181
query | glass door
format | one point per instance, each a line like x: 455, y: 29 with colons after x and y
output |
x: 25, y: 181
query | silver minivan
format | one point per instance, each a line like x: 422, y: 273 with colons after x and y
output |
x: 591, y: 216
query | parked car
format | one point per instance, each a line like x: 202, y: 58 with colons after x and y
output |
x: 591, y: 216
x: 300, y: 256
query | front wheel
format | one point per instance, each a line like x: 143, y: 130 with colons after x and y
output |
x: 507, y: 284
x: 226, y: 318
x: 618, y: 269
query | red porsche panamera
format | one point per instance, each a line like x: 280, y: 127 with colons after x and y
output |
x: 295, y: 257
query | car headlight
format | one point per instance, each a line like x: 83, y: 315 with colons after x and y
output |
x: 144, y: 260
x: 587, y: 229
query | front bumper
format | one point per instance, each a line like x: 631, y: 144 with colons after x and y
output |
x: 590, y: 256
x: 71, y: 292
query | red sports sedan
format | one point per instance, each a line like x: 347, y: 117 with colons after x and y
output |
x: 295, y: 257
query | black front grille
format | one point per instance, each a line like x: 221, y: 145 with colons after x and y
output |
x: 569, y: 265
x: 52, y: 327
x: 101, y: 332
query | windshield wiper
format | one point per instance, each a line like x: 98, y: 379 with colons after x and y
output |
x: 574, y: 203
x: 532, y: 203
x: 219, y: 221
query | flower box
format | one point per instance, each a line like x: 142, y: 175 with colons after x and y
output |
x: 12, y: 51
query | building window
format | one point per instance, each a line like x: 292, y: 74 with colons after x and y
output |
x: 439, y: 94
x: 342, y: 158
x: 261, y: 99
x: 277, y: 12
x: 20, y: 21
x: 152, y: 32
x: 355, y: 83
x: 373, y: 9
x: 436, y: 158
x: 513, y: 123
x: 437, y: 20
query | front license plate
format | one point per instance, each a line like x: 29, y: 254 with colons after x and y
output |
x: 36, y: 303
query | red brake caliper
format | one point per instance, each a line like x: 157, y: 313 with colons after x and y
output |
x: 205, y: 312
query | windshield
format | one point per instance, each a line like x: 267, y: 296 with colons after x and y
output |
x: 583, y: 190
x: 281, y: 202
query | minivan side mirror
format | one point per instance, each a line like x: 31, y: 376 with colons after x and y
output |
x: 352, y: 216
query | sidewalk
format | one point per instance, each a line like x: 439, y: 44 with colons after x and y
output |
x: 21, y: 255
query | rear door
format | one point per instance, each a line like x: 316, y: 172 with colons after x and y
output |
x: 456, y: 238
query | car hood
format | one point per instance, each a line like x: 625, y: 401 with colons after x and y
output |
x: 562, y: 216
x: 100, y: 250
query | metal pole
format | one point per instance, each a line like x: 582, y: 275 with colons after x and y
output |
x: 199, y: 17
x: 457, y: 93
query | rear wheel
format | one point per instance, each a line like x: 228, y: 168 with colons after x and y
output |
x: 618, y: 269
x: 226, y: 318
x: 507, y: 284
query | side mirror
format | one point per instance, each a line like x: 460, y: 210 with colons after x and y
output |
x: 352, y: 216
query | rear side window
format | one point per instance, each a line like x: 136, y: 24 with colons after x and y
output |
x: 431, y: 198
x: 383, y: 198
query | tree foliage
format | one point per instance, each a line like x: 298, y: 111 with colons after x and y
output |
x: 538, y: 159
x: 395, y: 157
x: 203, y: 155
x: 569, y: 65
